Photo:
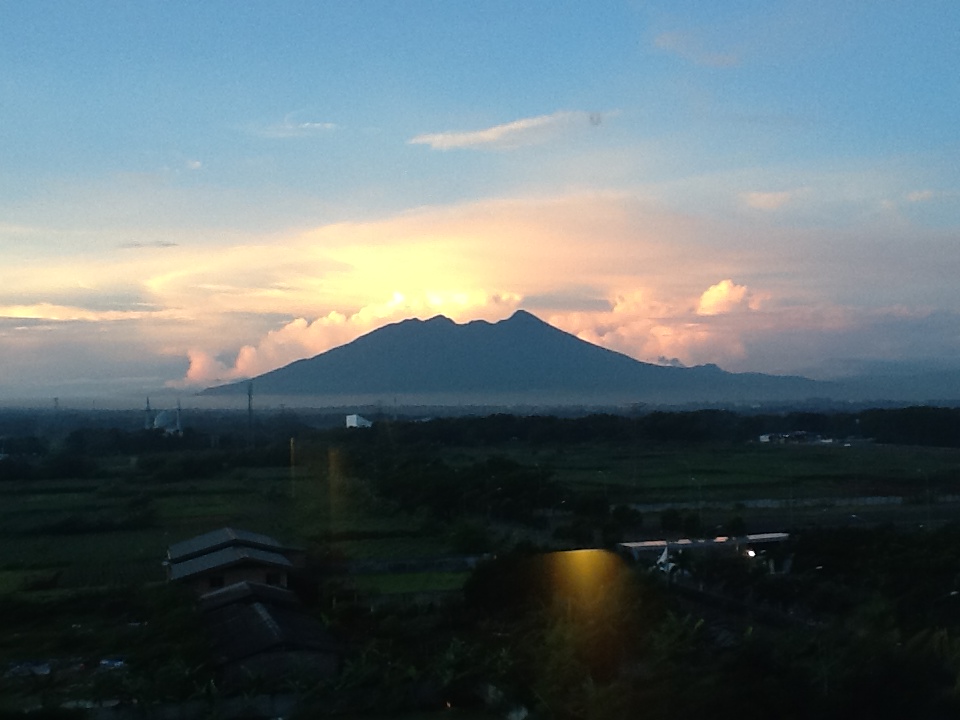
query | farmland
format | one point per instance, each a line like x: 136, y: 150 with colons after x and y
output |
x: 383, y: 513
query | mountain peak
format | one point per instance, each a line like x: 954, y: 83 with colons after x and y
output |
x: 518, y: 357
x: 523, y: 316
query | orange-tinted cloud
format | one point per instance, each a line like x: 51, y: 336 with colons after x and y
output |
x: 301, y: 338
x: 726, y: 296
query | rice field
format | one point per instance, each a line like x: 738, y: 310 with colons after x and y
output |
x: 72, y: 533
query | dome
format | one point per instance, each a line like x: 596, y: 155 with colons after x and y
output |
x: 166, y: 421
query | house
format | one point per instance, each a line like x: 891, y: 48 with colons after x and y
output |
x: 260, y: 632
x: 226, y: 556
x: 257, y: 627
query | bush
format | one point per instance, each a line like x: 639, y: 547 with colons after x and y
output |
x: 692, y: 525
x: 627, y: 517
x: 470, y: 538
x: 671, y: 520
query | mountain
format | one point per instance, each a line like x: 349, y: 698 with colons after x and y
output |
x: 521, y: 358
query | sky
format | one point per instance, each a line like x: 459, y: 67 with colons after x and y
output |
x: 192, y: 193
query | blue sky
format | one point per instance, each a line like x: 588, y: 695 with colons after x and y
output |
x: 193, y: 192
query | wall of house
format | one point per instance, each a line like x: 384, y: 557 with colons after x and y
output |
x: 214, y: 580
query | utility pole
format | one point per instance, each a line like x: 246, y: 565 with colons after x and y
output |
x: 250, y: 414
x: 293, y: 464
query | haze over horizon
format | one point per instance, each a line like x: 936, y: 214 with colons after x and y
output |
x: 194, y: 193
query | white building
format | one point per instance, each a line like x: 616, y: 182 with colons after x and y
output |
x: 356, y: 421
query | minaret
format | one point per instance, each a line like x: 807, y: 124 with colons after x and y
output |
x: 179, y: 424
x: 147, y: 417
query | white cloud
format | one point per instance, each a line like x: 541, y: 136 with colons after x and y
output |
x: 291, y: 127
x: 526, y: 131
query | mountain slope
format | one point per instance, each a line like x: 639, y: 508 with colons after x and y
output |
x: 521, y: 355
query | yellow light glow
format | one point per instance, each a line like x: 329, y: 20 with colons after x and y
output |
x: 582, y: 575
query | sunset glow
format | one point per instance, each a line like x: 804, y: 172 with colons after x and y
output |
x: 643, y: 177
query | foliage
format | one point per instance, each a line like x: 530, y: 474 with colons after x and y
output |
x: 671, y: 520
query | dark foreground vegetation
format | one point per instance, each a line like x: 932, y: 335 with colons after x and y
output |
x: 469, y: 566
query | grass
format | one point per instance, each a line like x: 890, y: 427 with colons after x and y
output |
x: 742, y: 472
x: 391, y: 548
x: 57, y: 571
x: 399, y: 583
x: 34, y: 544
x: 69, y: 535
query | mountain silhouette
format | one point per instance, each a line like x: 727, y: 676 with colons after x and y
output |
x: 522, y: 357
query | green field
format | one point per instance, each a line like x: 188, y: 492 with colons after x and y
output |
x: 401, y: 583
x: 644, y: 474
x: 81, y: 574
x: 64, y: 533
x: 79, y: 534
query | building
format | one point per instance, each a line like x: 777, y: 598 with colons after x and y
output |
x: 357, y: 421
x: 751, y: 546
x: 260, y: 632
x: 226, y: 556
x: 257, y: 628
x: 166, y: 420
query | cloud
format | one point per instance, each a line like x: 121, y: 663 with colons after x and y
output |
x: 567, y: 299
x: 526, y: 131
x: 63, y: 313
x: 68, y: 358
x: 691, y: 48
x: 616, y: 268
x: 293, y: 127
x: 767, y: 200
x: 301, y: 338
x: 724, y: 297
x: 150, y: 244
x: 649, y: 326
x: 634, y: 288
x: 922, y: 196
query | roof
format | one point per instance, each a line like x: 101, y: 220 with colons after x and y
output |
x: 224, y: 558
x: 248, y: 593
x: 241, y: 631
x: 217, y: 539
x: 720, y: 541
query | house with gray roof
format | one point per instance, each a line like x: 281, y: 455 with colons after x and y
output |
x: 258, y: 634
x: 226, y: 556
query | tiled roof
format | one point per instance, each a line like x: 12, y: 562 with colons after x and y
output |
x: 224, y: 558
x: 246, y: 593
x: 241, y: 631
x: 217, y: 539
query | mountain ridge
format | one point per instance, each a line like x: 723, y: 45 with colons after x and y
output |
x: 521, y: 355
